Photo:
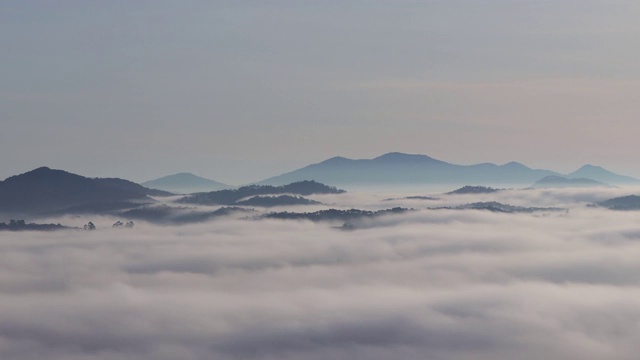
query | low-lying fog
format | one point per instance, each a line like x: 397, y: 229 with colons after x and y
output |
x: 429, y: 284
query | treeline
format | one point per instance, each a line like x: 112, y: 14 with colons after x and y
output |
x: 334, y: 214
x: 21, y: 225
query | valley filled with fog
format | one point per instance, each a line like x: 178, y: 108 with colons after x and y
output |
x: 437, y: 281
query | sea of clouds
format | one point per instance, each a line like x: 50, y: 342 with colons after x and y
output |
x: 430, y: 284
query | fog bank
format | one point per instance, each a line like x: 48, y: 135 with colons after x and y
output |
x: 432, y: 284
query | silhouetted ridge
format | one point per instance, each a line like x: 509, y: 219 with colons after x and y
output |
x: 630, y: 202
x: 21, y: 225
x: 334, y: 214
x: 400, y: 158
x: 495, y: 206
x: 37, y: 176
x: 231, y: 197
x: 282, y: 200
x: 414, y: 197
x: 468, y: 189
x: 45, y: 190
x: 130, y: 186
x: 335, y: 160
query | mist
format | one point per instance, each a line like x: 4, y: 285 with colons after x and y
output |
x: 429, y: 284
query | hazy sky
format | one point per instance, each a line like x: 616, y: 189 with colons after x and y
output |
x: 242, y: 90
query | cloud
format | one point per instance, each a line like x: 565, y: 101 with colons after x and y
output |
x: 428, y: 284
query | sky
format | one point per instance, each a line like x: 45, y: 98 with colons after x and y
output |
x: 238, y: 91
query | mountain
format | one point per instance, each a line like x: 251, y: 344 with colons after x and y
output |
x: 281, y: 200
x: 335, y: 214
x: 553, y: 181
x: 410, y: 169
x: 630, y: 202
x: 398, y: 168
x: 185, y: 183
x: 414, y: 197
x: 47, y: 190
x: 473, y: 190
x: 499, y: 207
x: 21, y: 225
x: 233, y: 196
x: 603, y: 175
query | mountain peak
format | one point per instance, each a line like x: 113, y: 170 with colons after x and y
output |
x: 599, y: 173
x: 182, y: 175
x: 42, y: 168
x: 591, y: 167
x: 515, y: 165
x: 402, y: 157
x: 334, y: 159
x: 43, y: 189
x: 42, y: 173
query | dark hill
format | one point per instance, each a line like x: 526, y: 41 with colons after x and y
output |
x: 630, y: 202
x: 281, y: 200
x: 473, y: 190
x: 499, y: 207
x: 21, y: 225
x: 334, y: 214
x: 47, y: 190
x: 231, y: 197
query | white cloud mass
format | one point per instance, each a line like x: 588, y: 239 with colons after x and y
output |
x: 433, y: 284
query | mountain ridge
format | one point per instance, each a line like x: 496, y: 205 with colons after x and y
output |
x: 407, y: 169
x: 45, y: 190
x: 400, y: 168
x: 598, y: 173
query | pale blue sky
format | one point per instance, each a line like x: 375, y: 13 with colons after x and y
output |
x: 239, y: 91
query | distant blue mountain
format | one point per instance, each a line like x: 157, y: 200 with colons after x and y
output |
x: 554, y: 181
x: 185, y: 183
x: 398, y: 169
x: 598, y: 173
x: 409, y: 169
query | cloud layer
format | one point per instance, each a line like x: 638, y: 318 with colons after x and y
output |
x: 427, y: 285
